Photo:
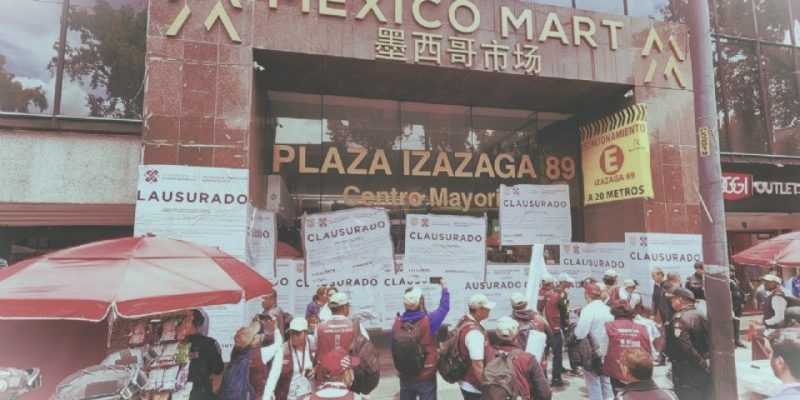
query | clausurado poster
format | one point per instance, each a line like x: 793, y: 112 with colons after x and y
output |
x: 586, y: 260
x: 535, y: 214
x: 379, y: 311
x: 668, y: 251
x: 207, y: 206
x: 353, y: 247
x: 632, y: 259
x: 445, y: 245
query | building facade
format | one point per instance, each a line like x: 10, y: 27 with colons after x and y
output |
x: 415, y: 106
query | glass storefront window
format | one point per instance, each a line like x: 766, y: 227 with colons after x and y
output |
x: 606, y: 6
x: 660, y: 10
x: 359, y: 129
x: 432, y: 136
x: 28, y: 30
x: 772, y: 17
x: 104, y: 59
x: 735, y: 18
x: 722, y: 125
x: 435, y: 127
x: 335, y: 152
x: 784, y: 99
x: 295, y: 124
x: 746, y: 124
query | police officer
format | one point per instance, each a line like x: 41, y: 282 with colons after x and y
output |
x: 737, y: 298
x: 688, y: 348
x: 696, y: 285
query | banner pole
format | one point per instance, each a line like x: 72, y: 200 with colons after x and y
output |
x: 535, y: 273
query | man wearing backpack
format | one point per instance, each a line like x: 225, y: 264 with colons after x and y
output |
x: 413, y: 341
x: 336, y: 370
x: 473, y: 345
x: 592, y: 324
x: 513, y: 373
x: 529, y: 320
x: 246, y: 374
x: 339, y: 332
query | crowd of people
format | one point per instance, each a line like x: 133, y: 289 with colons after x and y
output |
x: 614, y: 344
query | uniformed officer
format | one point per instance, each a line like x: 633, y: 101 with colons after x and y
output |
x: 737, y: 299
x: 688, y: 348
x: 696, y: 285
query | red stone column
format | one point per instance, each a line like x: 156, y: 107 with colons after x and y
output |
x: 675, y: 207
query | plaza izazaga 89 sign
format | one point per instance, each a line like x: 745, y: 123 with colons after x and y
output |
x: 615, y: 152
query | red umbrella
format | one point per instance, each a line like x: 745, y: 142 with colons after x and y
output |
x: 135, y: 276
x: 782, y: 251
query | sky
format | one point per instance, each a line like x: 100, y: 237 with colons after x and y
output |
x: 28, y: 30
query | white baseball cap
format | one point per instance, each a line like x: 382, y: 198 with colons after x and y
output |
x: 298, y: 325
x: 564, y: 277
x: 547, y: 278
x: 412, y: 297
x: 773, y: 278
x: 628, y: 283
x: 507, y: 328
x: 611, y: 273
x: 339, y: 299
x: 481, y: 301
x: 518, y: 299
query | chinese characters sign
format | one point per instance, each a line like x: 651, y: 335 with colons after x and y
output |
x: 432, y: 48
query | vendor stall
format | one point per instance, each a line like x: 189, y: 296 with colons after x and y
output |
x: 68, y: 310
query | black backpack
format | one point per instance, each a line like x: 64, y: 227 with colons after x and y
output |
x: 499, y: 377
x: 368, y: 373
x: 407, y: 351
x: 452, y: 366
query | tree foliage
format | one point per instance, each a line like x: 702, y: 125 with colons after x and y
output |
x: 110, y: 58
x: 16, y: 98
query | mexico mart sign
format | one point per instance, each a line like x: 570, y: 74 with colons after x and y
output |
x: 584, y: 28
x: 465, y: 17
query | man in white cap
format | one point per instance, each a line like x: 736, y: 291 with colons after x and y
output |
x: 633, y: 296
x: 615, y: 292
x: 592, y: 322
x: 528, y: 376
x: 774, y: 307
x: 413, y: 343
x: 292, y: 368
x: 529, y: 320
x: 474, y: 345
x: 557, y: 314
x: 547, y: 285
x: 339, y: 331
